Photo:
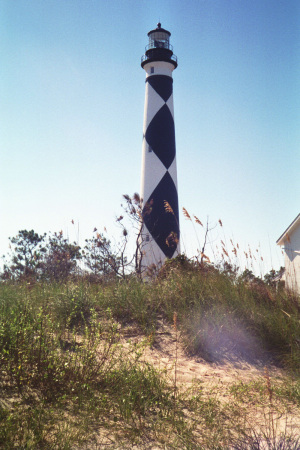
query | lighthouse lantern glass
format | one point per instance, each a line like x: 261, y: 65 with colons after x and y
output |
x: 159, y: 39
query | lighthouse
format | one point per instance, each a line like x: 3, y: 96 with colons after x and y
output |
x: 160, y: 233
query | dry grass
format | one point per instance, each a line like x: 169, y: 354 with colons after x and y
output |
x: 162, y: 364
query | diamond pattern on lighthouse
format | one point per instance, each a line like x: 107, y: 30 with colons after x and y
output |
x: 162, y: 224
x: 162, y: 84
x: 159, y: 138
x: 170, y: 105
x: 158, y: 170
x: 153, y: 103
x: 160, y: 135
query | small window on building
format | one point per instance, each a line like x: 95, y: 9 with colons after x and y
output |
x: 147, y: 238
x: 151, y: 69
x: 149, y: 149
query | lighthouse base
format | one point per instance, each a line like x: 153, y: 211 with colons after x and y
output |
x: 152, y: 257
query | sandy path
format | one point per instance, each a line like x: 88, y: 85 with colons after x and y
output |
x: 167, y: 353
x: 214, y: 377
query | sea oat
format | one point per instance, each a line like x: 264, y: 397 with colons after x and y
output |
x: 268, y: 382
x: 168, y: 207
x: 186, y: 214
x: 205, y: 257
x: 175, y: 320
x: 198, y: 221
x: 224, y: 251
x: 172, y: 240
x: 136, y: 198
x: 148, y: 208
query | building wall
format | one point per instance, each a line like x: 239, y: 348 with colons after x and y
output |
x: 292, y: 261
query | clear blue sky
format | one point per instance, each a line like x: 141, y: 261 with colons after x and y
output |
x: 72, y: 102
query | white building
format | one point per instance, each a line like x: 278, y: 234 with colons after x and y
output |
x: 290, y: 240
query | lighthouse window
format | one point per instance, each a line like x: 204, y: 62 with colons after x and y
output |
x: 159, y: 39
x: 149, y: 149
x: 147, y: 238
x: 152, y: 69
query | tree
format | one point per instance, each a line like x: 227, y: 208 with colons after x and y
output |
x: 61, y: 258
x: 274, y: 276
x: 134, y: 211
x: 103, y: 258
x: 27, y: 256
x: 99, y: 256
x: 56, y: 258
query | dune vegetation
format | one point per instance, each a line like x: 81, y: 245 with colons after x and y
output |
x: 68, y: 380
x: 93, y: 355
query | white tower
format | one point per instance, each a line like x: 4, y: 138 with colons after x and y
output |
x: 160, y: 232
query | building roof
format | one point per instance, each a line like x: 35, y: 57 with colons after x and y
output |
x: 288, y: 231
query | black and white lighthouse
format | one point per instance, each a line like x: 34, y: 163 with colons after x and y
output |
x: 160, y: 233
